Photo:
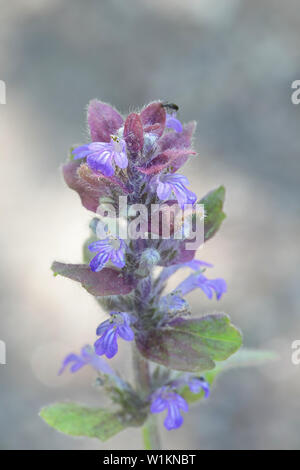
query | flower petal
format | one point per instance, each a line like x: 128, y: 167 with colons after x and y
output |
x: 174, y: 123
x: 125, y: 332
x: 104, y: 326
x: 118, y: 258
x: 174, y: 419
x: 181, y: 403
x: 120, y: 159
x: 163, y: 190
x: 158, y: 405
x: 100, y: 245
x: 111, y: 345
x: 101, y: 162
x: 99, y: 261
x: 72, y: 358
x: 107, y: 344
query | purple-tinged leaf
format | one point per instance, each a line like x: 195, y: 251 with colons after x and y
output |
x: 173, y: 349
x: 154, y: 118
x: 103, y: 121
x: 191, y: 345
x: 133, y: 133
x: 155, y: 166
x: 169, y: 158
x: 89, y: 193
x: 89, y: 185
x: 178, y: 140
x: 184, y: 255
x: 105, y: 282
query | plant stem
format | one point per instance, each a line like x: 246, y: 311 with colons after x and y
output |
x: 143, y: 386
x: 150, y: 434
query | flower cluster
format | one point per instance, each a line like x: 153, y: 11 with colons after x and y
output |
x: 139, y: 157
x: 166, y: 398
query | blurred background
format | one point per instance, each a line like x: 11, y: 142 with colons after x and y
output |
x: 228, y: 64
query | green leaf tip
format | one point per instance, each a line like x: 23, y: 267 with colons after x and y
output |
x: 74, y: 419
x: 214, y: 215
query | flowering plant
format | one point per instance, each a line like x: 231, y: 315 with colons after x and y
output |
x: 176, y: 356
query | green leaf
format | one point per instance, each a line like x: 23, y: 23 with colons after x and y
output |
x: 214, y: 215
x: 71, y: 156
x: 77, y: 420
x: 87, y: 254
x: 243, y: 358
x: 191, y: 345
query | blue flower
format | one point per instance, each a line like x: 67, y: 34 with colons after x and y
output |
x: 174, y: 183
x: 172, y: 304
x: 109, y: 330
x: 173, y: 123
x: 207, y: 285
x: 109, y: 249
x: 86, y: 357
x: 195, y: 384
x: 100, y: 156
x: 198, y: 383
x: 197, y: 264
x: 166, y: 399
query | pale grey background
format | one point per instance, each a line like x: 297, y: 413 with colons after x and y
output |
x: 229, y: 64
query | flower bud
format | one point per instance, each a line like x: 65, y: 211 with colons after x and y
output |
x: 150, y: 257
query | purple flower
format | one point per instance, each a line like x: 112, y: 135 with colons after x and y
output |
x: 170, y: 270
x: 207, y: 285
x: 167, y: 399
x: 173, y: 123
x: 174, y: 183
x: 100, y: 156
x: 197, y: 264
x: 173, y: 304
x: 196, y: 384
x: 109, y: 249
x: 109, y: 330
x: 86, y: 357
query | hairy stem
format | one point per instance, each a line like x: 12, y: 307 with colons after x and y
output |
x: 143, y: 385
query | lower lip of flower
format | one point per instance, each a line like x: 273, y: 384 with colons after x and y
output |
x: 118, y: 320
x: 116, y: 143
x: 115, y: 243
